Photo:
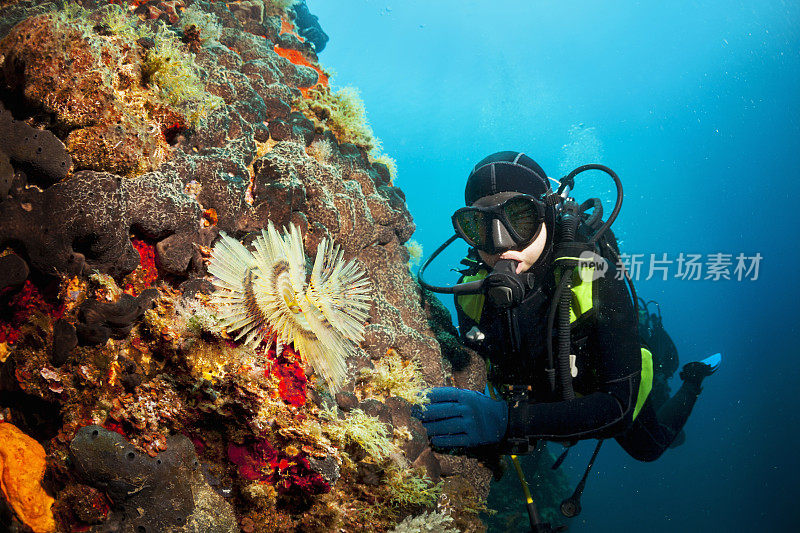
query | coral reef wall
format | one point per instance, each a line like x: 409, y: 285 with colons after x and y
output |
x: 131, y: 134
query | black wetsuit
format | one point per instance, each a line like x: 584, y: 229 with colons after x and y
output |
x: 609, y: 362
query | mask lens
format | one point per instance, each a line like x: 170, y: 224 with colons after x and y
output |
x: 473, y: 226
x: 523, y: 217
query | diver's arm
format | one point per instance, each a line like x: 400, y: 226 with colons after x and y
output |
x: 596, y: 416
x: 609, y: 411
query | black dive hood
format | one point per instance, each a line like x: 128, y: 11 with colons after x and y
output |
x: 503, y: 285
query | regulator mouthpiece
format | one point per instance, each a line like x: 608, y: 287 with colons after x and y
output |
x: 504, y: 286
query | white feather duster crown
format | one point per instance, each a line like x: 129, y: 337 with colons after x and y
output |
x: 265, y: 293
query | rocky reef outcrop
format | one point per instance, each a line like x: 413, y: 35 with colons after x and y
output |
x: 131, y: 134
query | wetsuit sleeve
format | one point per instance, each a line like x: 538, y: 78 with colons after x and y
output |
x: 609, y: 410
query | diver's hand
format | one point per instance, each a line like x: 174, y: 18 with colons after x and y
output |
x: 457, y: 418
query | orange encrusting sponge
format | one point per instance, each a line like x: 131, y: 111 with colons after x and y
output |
x: 299, y: 59
x: 288, y: 27
x: 22, y: 464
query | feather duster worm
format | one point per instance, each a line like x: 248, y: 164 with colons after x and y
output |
x: 265, y: 293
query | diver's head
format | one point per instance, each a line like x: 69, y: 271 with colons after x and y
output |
x: 506, y: 214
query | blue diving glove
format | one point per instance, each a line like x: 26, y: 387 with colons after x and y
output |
x: 460, y: 418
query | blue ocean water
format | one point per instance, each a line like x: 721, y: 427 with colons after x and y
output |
x: 695, y: 105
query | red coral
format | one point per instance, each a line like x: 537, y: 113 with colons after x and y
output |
x: 290, y: 474
x: 22, y: 305
x: 292, y: 379
x: 254, y: 464
x: 116, y: 427
x: 144, y: 278
x: 296, y: 478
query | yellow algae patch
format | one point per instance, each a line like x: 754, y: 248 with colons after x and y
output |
x: 22, y: 463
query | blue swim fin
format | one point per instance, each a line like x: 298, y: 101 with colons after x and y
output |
x: 713, y: 361
x: 696, y: 371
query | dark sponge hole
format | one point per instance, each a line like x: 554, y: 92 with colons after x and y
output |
x: 83, y: 245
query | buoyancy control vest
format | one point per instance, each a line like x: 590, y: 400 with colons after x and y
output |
x: 520, y: 369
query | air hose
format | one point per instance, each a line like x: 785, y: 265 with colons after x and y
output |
x: 570, y: 219
x: 568, y: 180
x: 562, y: 299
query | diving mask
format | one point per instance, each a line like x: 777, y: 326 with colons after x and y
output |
x: 513, y: 223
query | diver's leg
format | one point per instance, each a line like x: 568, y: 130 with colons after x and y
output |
x: 675, y: 412
x: 651, y: 434
x: 646, y: 439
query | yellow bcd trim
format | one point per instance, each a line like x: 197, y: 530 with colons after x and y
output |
x: 472, y: 304
x: 646, y: 383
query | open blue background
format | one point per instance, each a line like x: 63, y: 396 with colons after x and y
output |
x: 695, y: 105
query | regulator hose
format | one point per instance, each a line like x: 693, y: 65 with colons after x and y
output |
x: 472, y: 287
x: 568, y: 180
x: 569, y: 226
x: 562, y: 298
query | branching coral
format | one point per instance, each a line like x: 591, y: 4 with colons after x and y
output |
x: 173, y: 72
x: 411, y: 486
x: 206, y: 24
x: 118, y: 22
x: 321, y: 150
x: 390, y: 163
x: 435, y: 522
x: 198, y: 318
x: 264, y: 295
x: 414, y: 253
x: 342, y: 112
x: 367, y: 431
x: 73, y: 15
x: 392, y: 376
x: 104, y: 286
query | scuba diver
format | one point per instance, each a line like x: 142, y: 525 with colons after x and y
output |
x: 546, y: 302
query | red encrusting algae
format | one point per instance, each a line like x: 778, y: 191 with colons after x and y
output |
x: 147, y: 263
x: 292, y: 379
x: 26, y: 302
x: 115, y: 426
x: 289, y: 474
